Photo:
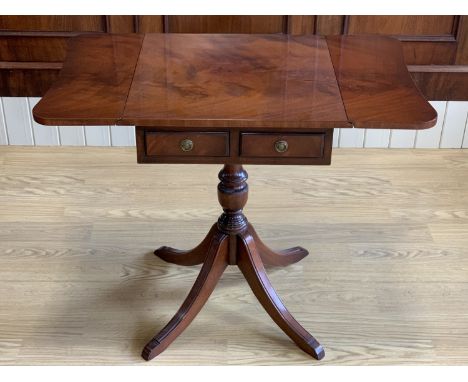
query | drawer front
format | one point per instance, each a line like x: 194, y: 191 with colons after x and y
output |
x: 190, y: 144
x: 265, y: 145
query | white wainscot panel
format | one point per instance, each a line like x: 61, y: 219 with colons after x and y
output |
x: 430, y: 138
x: 43, y: 135
x: 465, y: 138
x: 18, y: 121
x: 377, y: 138
x: 17, y: 127
x: 351, y: 137
x: 97, y: 135
x: 402, y: 139
x: 72, y: 135
x: 336, y: 137
x: 123, y: 135
x: 454, y: 127
x: 3, y: 131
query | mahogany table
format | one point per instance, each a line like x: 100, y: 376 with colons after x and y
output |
x: 234, y: 100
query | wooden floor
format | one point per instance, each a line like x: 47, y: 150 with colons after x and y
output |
x: 386, y: 281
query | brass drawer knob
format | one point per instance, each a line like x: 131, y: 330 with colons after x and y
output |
x: 281, y: 146
x: 186, y: 144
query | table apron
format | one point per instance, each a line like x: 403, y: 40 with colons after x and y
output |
x: 232, y: 146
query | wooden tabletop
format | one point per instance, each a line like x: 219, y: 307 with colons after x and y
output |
x: 241, y: 81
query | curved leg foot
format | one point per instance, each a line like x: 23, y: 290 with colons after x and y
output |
x: 193, y: 256
x: 213, y: 267
x: 281, y: 258
x: 251, y: 265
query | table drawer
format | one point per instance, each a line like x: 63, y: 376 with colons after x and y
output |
x: 190, y: 144
x: 267, y: 145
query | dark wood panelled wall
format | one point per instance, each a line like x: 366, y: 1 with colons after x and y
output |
x: 32, y: 48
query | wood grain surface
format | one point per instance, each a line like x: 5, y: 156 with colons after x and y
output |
x: 298, y: 145
x: 216, y: 80
x: 161, y: 143
x: 236, y: 81
x: 385, y: 281
x: 93, y: 85
x: 373, y: 81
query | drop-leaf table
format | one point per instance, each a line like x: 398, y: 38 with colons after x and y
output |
x: 234, y: 100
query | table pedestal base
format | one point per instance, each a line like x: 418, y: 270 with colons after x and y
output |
x: 232, y: 241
